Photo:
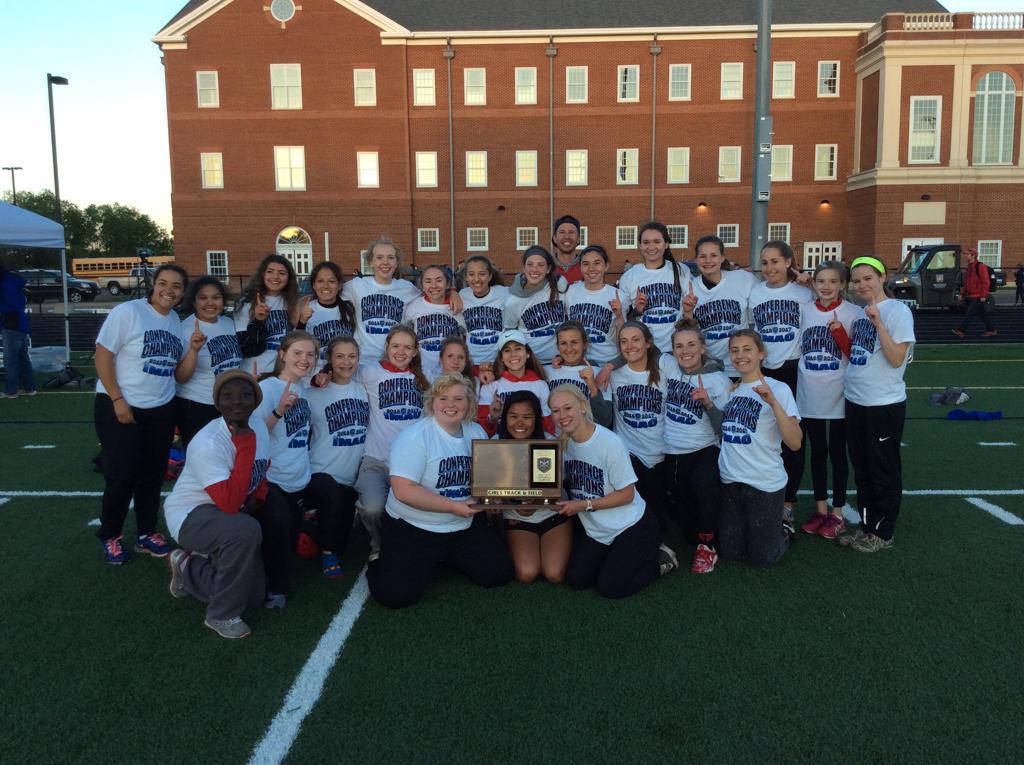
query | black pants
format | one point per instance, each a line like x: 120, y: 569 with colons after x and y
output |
x: 620, y: 569
x: 133, y: 460
x: 191, y: 417
x: 409, y: 555
x: 792, y: 460
x: 827, y: 441
x: 693, y: 492
x: 977, y: 307
x: 750, y: 525
x: 874, y: 435
x: 650, y: 484
x: 280, y: 519
x: 335, y: 504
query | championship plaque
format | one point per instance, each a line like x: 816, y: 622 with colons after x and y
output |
x: 509, y: 474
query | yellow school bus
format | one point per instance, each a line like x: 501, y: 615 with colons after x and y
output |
x: 117, y: 275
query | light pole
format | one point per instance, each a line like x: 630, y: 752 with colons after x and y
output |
x: 52, y: 80
x: 14, y: 188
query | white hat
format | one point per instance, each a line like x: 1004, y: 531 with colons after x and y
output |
x: 511, y: 336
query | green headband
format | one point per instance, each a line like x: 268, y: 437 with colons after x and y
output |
x: 867, y: 260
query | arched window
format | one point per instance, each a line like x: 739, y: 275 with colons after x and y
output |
x: 993, y: 120
x: 294, y: 243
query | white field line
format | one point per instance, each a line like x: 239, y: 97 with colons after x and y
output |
x: 306, y: 690
x: 39, y: 446
x: 4, y: 500
x: 93, y: 522
x: 996, y: 443
x: 998, y: 512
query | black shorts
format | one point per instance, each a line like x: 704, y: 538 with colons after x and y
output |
x: 540, y: 529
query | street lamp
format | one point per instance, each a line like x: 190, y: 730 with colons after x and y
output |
x: 14, y: 188
x: 52, y: 80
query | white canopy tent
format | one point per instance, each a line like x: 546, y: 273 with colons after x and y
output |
x: 22, y: 228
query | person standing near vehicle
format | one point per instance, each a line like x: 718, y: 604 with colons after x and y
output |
x: 14, y: 321
x: 975, y: 295
x: 1019, y: 279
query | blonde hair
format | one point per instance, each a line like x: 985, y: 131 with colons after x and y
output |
x: 293, y: 337
x: 583, y: 401
x: 444, y: 382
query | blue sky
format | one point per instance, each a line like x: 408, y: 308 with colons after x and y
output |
x: 111, y: 118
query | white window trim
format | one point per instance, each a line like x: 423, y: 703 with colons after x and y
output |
x: 355, y: 87
x: 487, y: 239
x: 536, y: 169
x: 839, y: 69
x: 789, y: 165
x: 689, y: 82
x: 515, y: 85
x: 775, y: 95
x: 419, y: 240
x: 583, y: 238
x: 586, y: 167
x: 465, y: 86
x: 433, y: 88
x: 686, y: 234
x: 277, y: 186
x: 787, y: 237
x: 718, y: 233
x: 536, y: 237
x: 586, y: 85
x: 618, y: 84
x: 619, y: 246
x: 998, y: 254
x: 417, y: 170
x: 227, y: 268
x: 359, y: 169
x: 202, y: 168
x: 668, y: 164
x: 938, y: 131
x: 721, y: 82
x: 630, y: 152
x: 835, y: 162
x: 216, y: 90
x: 981, y: 98
x: 739, y: 164
x: 272, y: 86
x: 476, y: 185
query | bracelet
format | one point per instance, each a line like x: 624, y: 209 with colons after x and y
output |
x: 590, y: 505
x: 115, y: 400
x: 274, y: 412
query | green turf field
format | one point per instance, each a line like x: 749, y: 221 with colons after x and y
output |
x: 911, y: 655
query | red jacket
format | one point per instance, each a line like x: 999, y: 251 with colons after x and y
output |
x: 976, y: 281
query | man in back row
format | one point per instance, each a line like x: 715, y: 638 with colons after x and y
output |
x: 565, y: 237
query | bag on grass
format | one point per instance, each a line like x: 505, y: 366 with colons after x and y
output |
x: 951, y: 397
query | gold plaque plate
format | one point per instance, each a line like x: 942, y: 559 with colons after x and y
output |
x: 508, y: 474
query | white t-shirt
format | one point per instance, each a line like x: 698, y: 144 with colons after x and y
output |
x: 592, y: 309
x: 751, y: 439
x: 664, y: 301
x: 538, y: 319
x: 538, y: 516
x: 209, y: 459
x: 219, y: 353
x: 326, y: 324
x: 434, y: 323
x: 484, y: 322
x: 289, y: 437
x: 775, y: 312
x: 439, y: 462
x: 395, y: 403
x: 567, y: 374
x: 639, y: 414
x: 721, y: 310
x: 379, y: 307
x: 870, y: 380
x: 819, y: 390
x: 147, y: 348
x: 687, y: 425
x: 340, y: 414
x: 594, y: 469
x: 506, y: 384
x: 277, y: 326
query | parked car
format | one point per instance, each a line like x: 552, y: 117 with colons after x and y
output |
x: 932, y: 276
x: 135, y: 282
x: 45, y: 284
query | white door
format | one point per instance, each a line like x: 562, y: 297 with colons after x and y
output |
x: 816, y: 253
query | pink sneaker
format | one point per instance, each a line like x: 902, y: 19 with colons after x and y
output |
x: 704, y: 560
x: 833, y: 526
x: 815, y: 523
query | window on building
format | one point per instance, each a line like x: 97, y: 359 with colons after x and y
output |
x: 285, y: 86
x: 993, y: 120
x: 296, y: 246
x: 208, y: 90
x: 526, y: 237
x: 729, y: 233
x: 365, y: 83
x: 476, y: 239
x: 825, y: 161
x: 784, y: 79
x: 423, y: 87
x: 217, y: 263
x: 990, y: 252
x: 576, y: 167
x: 428, y: 239
x: 729, y: 164
x: 576, y: 84
x: 779, y: 231
x: 474, y: 87
x: 476, y: 169
x: 583, y: 238
x: 732, y: 81
x: 828, y: 79
x: 212, y: 166
x: 426, y: 169
x: 625, y: 237
x: 367, y: 170
x: 925, y: 112
x: 679, y: 235
x: 627, y: 166
x: 782, y: 163
x: 678, y: 164
x: 679, y: 82
x: 290, y: 168
x: 628, y: 83
x: 526, y: 168
x: 526, y: 84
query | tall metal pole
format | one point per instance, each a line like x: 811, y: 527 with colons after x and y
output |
x: 761, y: 190
x: 655, y: 51
x: 551, y: 51
x: 14, y: 187
x: 449, y: 53
x: 52, y: 80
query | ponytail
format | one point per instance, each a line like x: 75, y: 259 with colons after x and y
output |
x: 662, y: 229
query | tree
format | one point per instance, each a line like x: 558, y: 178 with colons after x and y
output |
x: 120, y: 229
x: 79, y: 227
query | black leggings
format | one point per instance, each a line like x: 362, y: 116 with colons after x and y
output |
x: 335, y: 504
x: 792, y: 460
x: 827, y: 441
x: 621, y: 568
x: 280, y: 519
x: 650, y: 484
x: 875, y: 433
x: 191, y: 417
x: 692, y: 481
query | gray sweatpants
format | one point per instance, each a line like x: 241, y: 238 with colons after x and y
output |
x: 372, y: 485
x: 750, y: 524
x: 228, y: 576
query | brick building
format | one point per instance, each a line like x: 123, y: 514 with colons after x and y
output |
x: 465, y: 127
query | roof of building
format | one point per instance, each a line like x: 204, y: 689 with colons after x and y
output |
x: 481, y: 15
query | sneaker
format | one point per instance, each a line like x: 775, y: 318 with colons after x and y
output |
x: 113, y: 553
x: 848, y: 540
x: 666, y: 559
x: 814, y: 524
x: 958, y: 332
x: 788, y: 529
x: 832, y: 527
x: 176, y: 562
x: 870, y: 543
x: 229, y: 628
x: 990, y: 333
x: 704, y: 560
x: 154, y: 544
x: 274, y: 600
x: 331, y: 566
